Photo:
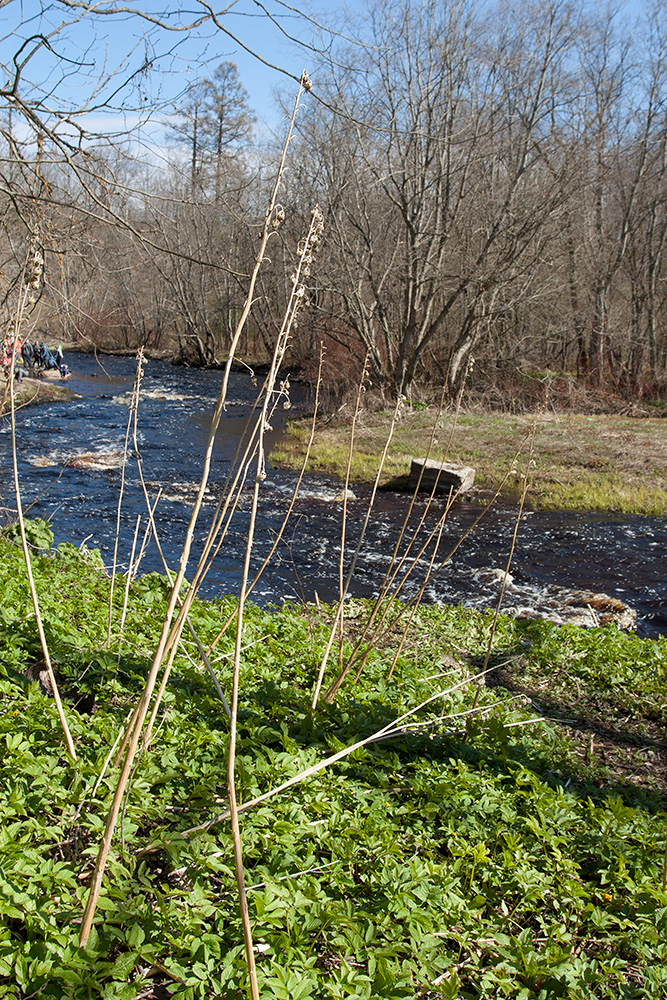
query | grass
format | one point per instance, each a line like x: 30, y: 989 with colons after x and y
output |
x: 603, y: 463
x: 498, y: 859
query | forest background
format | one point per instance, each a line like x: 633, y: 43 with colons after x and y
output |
x: 493, y: 179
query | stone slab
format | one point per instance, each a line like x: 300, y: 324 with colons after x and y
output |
x: 444, y: 474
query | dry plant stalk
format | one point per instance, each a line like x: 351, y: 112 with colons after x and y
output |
x: 392, y: 728
x: 391, y: 573
x: 439, y: 527
x: 32, y: 276
x: 524, y: 493
x: 128, y: 581
x: 395, y: 565
x: 228, y: 504
x: 290, y: 508
x: 168, y: 574
x: 154, y: 532
x: 169, y: 635
x: 254, y: 448
x: 353, y: 565
x: 221, y: 523
x: 343, y: 526
x: 134, y: 403
x: 417, y: 602
x: 296, y: 300
x: 381, y: 630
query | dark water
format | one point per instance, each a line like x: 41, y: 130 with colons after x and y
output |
x: 623, y: 557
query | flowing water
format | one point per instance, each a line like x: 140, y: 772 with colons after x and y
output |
x: 70, y: 457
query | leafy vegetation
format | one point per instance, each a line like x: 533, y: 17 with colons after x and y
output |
x: 451, y: 860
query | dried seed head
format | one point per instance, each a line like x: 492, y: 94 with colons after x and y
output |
x: 284, y: 391
x: 278, y: 217
x: 306, y: 82
x: 317, y: 224
x: 34, y: 268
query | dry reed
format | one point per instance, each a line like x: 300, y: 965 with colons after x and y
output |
x: 171, y: 630
x: 29, y: 279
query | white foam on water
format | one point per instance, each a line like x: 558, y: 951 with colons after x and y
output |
x: 562, y: 605
x: 101, y: 460
x: 183, y: 493
x: 165, y: 395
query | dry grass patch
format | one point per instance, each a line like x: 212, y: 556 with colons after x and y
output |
x: 600, y: 462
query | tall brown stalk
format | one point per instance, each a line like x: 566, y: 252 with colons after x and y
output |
x: 510, y: 556
x: 19, y: 510
x: 134, y: 403
x: 296, y: 298
x: 353, y: 563
x: 343, y: 523
x: 168, y: 635
x: 290, y: 508
x: 152, y: 527
x: 381, y: 630
x: 221, y: 523
x: 415, y: 606
x: 396, y: 564
x: 391, y: 729
x: 128, y: 581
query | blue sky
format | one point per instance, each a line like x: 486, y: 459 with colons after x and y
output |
x: 112, y: 47
x: 90, y: 56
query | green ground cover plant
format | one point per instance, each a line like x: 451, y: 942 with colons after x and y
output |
x: 472, y: 856
x: 580, y: 462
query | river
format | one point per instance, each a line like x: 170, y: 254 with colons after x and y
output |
x: 69, y: 467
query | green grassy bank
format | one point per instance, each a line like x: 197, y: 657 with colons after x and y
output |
x: 599, y: 462
x: 520, y: 855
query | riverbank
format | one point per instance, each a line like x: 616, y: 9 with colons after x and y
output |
x: 517, y: 851
x: 31, y: 391
x: 579, y: 462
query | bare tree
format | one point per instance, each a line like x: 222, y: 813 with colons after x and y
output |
x: 228, y: 125
x: 215, y: 122
x: 435, y: 177
x: 190, y: 110
x: 62, y: 173
x: 647, y: 238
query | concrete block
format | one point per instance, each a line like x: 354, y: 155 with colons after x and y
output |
x: 444, y: 474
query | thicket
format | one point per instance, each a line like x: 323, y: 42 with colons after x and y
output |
x: 446, y: 861
x: 492, y: 180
